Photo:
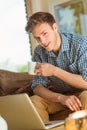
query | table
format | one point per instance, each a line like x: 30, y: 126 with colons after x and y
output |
x: 58, y: 128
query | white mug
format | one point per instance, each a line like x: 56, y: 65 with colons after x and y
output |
x: 31, y: 67
x: 76, y: 120
x: 3, y: 124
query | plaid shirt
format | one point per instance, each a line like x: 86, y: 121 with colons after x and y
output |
x: 71, y: 57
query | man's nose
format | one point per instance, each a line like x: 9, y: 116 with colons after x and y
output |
x: 43, y: 40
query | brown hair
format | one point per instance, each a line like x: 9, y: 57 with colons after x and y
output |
x: 38, y: 18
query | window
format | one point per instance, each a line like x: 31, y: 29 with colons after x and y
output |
x: 14, y: 42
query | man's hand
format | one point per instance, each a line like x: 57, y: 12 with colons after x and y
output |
x: 72, y: 102
x: 44, y: 69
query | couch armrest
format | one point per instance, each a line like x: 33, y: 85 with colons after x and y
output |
x: 15, y: 82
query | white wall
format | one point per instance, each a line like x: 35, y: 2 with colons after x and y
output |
x: 43, y: 5
x: 39, y: 5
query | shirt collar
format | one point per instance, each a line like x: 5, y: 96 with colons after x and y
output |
x: 51, y: 54
x: 65, y: 42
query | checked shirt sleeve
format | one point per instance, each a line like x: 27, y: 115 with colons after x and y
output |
x: 38, y: 57
x: 82, y: 61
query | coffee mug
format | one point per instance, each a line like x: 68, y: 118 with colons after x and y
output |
x: 31, y: 67
x: 76, y: 121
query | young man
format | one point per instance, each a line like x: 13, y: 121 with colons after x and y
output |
x: 62, y: 60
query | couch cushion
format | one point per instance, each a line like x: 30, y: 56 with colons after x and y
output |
x: 15, y: 82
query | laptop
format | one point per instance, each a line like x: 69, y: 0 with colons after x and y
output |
x: 20, y: 114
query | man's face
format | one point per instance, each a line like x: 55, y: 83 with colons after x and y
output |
x: 46, y: 36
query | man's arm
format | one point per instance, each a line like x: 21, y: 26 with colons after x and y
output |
x: 46, y: 69
x: 72, y: 102
x: 73, y: 79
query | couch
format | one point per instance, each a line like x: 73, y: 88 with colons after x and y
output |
x: 15, y: 82
x: 20, y: 82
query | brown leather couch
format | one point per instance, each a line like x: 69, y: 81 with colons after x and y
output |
x: 20, y: 82
x: 15, y: 82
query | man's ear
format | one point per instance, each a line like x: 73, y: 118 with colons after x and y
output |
x: 55, y: 27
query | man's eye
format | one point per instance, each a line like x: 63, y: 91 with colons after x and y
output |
x: 45, y: 33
